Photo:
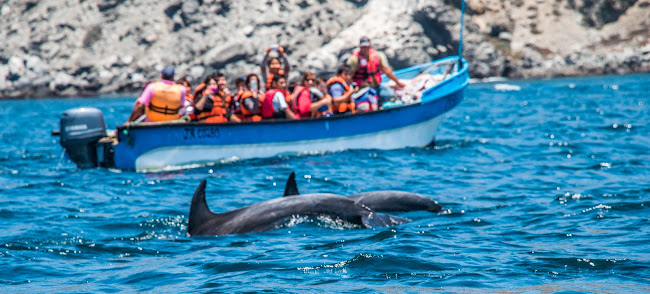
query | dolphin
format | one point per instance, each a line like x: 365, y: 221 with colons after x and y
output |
x: 384, y: 201
x: 269, y: 215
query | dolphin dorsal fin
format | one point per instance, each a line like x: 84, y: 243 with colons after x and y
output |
x: 291, y: 189
x: 199, y: 211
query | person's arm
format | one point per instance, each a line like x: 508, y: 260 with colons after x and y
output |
x: 316, y: 105
x: 289, y: 113
x: 385, y: 67
x: 282, y: 103
x: 201, y: 103
x: 285, y: 61
x: 234, y: 118
x: 141, y: 103
x: 344, y: 96
x: 138, y: 110
x: 389, y: 73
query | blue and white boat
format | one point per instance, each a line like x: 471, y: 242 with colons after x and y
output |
x: 165, y: 146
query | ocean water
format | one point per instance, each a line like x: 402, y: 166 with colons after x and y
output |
x: 545, y: 185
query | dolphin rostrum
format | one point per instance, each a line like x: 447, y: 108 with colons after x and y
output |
x: 269, y: 215
x: 386, y: 201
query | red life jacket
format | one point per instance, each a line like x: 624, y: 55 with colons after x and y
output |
x: 268, y: 110
x: 267, y: 104
x: 371, y: 71
x: 301, y: 106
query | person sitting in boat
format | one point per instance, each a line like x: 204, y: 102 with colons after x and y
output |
x: 274, y: 104
x: 188, y: 104
x: 160, y: 101
x: 274, y: 64
x: 302, y: 104
x: 319, y: 93
x: 188, y: 88
x: 239, y: 85
x: 210, y: 104
x: 365, y: 100
x: 340, y: 87
x: 249, y: 99
x: 367, y: 65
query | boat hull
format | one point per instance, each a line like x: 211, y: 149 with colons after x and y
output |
x: 173, y: 146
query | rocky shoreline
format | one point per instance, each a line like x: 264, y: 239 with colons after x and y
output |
x: 98, y: 47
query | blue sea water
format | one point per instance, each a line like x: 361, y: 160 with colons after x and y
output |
x: 545, y: 184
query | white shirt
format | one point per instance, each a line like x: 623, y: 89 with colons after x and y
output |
x: 279, y: 102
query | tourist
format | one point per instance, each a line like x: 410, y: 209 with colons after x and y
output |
x: 367, y: 65
x: 340, y: 87
x: 160, y: 101
x: 210, y: 104
x: 236, y: 97
x: 249, y: 99
x: 319, y: 93
x: 275, y: 104
x: 188, y: 88
x: 274, y: 64
x: 301, y: 98
x: 366, y: 99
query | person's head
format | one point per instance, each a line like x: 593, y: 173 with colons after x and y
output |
x: 321, y: 85
x: 211, y: 81
x: 252, y: 82
x: 221, y: 81
x: 364, y: 45
x: 185, y: 82
x: 240, y: 81
x: 167, y: 73
x: 279, y: 82
x: 275, y: 65
x: 308, y: 79
x: 344, y: 72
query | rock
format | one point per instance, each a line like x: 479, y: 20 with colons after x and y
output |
x: 16, y: 66
x: 61, y: 81
x: 98, y: 46
x: 196, y: 72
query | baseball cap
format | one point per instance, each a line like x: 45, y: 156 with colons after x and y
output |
x: 364, y: 41
x: 168, y: 72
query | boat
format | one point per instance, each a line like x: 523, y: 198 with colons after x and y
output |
x: 173, y: 145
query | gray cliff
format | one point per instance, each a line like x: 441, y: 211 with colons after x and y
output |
x: 90, y: 47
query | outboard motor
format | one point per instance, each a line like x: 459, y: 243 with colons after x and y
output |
x: 80, y: 131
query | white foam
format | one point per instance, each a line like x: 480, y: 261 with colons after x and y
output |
x: 506, y: 87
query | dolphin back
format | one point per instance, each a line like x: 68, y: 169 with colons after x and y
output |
x: 390, y: 201
x: 199, y: 211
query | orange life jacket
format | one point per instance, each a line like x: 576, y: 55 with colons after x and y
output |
x: 269, y: 79
x: 199, y: 89
x: 371, y: 71
x: 341, y: 107
x: 247, y: 114
x: 218, y: 112
x: 165, y: 103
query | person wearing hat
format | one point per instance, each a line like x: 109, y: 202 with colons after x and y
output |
x: 367, y: 65
x: 160, y: 101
